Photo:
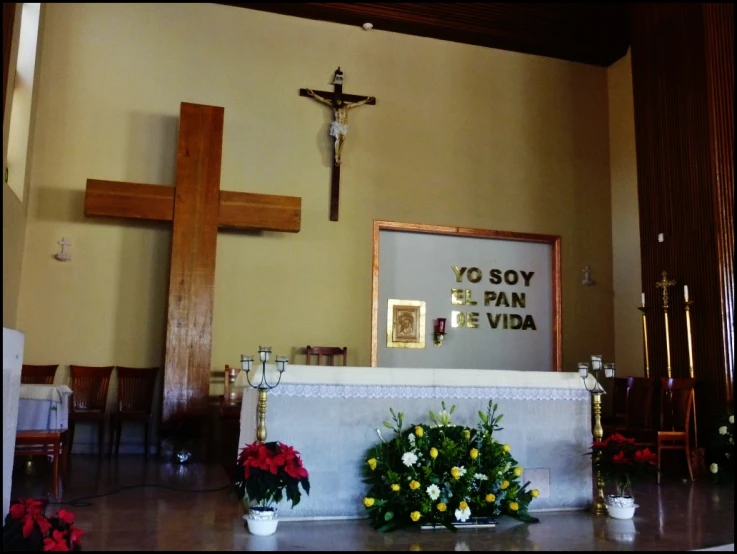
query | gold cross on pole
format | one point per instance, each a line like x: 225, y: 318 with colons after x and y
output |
x: 664, y: 284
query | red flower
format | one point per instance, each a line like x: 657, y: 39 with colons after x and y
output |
x: 74, y: 534
x: 619, y: 458
x: 57, y: 542
x: 65, y: 516
x: 645, y: 456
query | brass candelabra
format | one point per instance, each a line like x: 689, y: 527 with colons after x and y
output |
x: 262, y: 386
x: 594, y: 367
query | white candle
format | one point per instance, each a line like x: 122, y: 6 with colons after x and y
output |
x: 583, y: 370
x: 643, y: 299
x: 685, y: 292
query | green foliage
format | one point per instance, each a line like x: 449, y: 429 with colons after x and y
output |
x: 443, y: 473
x: 720, y: 452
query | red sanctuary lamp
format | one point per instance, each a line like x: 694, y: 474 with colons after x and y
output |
x: 439, y: 331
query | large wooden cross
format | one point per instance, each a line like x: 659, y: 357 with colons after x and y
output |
x: 340, y: 103
x: 197, y: 208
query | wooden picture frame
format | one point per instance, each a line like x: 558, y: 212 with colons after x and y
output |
x: 555, y: 284
x: 405, y: 323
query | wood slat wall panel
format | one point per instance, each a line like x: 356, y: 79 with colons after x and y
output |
x: 676, y: 180
x: 719, y: 43
x: 594, y: 33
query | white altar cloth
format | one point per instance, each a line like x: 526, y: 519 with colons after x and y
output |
x: 12, y: 362
x: 330, y: 415
x: 43, y: 407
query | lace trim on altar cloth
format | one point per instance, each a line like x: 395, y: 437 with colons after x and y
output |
x: 400, y: 391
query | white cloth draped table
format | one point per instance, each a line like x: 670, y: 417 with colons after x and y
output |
x: 43, y: 407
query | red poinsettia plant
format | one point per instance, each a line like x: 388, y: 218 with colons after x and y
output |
x: 267, y: 471
x: 622, y: 461
x: 28, y: 529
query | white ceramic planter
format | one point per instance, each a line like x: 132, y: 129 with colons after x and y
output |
x: 262, y: 522
x: 621, y: 507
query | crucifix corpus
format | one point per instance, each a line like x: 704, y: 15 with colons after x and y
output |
x: 197, y: 208
x: 340, y: 104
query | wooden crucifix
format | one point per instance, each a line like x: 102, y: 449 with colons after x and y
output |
x: 340, y: 104
x: 196, y: 207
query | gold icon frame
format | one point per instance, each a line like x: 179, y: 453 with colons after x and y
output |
x: 405, y: 323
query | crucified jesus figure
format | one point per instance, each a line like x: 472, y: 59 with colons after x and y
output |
x: 339, y: 126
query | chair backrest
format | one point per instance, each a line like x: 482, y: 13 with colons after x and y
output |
x: 676, y: 403
x: 639, y: 402
x: 38, y: 374
x: 230, y: 394
x: 619, y: 399
x: 89, y: 387
x: 327, y: 352
x: 136, y: 389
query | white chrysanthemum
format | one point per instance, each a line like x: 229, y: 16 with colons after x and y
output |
x: 713, y: 468
x: 461, y: 471
x: 480, y: 477
x: 723, y: 430
x: 507, y: 466
x: 409, y: 459
x: 463, y: 515
x: 731, y: 419
x: 433, y: 492
x: 411, y: 438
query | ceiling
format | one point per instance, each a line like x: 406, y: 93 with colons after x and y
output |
x: 595, y: 33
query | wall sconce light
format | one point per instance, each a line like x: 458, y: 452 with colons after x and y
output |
x: 439, y: 331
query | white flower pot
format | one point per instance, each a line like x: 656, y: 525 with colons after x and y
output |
x: 261, y: 522
x: 621, y: 507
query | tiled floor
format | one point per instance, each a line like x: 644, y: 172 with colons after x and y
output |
x: 121, y: 515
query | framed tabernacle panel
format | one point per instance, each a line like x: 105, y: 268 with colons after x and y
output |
x: 499, y: 291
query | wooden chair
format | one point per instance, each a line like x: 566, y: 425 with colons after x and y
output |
x: 633, y: 407
x: 676, y: 406
x: 89, y: 399
x: 135, y: 402
x: 38, y: 374
x: 51, y: 444
x: 327, y: 352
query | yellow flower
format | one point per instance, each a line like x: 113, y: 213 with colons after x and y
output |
x: 535, y: 493
x: 414, y: 485
x: 474, y: 453
x: 490, y: 497
x: 507, y: 448
x: 372, y: 463
x: 517, y: 471
x: 395, y: 487
x: 455, y: 472
x: 415, y: 516
x: 513, y: 506
x: 433, y: 453
x: 505, y: 484
x: 463, y: 505
x: 442, y: 507
x: 368, y: 502
x: 415, y: 548
x: 467, y: 434
x: 419, y: 431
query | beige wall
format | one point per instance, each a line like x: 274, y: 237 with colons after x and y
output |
x: 461, y: 135
x: 625, y: 221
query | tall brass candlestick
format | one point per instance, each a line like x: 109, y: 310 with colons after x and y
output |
x: 644, y: 339
x: 261, y: 422
x: 688, y: 336
x: 599, y: 507
x: 688, y: 303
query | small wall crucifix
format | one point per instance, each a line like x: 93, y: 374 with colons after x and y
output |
x: 664, y: 283
x: 340, y: 104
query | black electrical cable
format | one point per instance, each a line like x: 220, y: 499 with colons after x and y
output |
x: 81, y: 502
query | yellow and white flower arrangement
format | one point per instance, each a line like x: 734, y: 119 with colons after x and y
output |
x: 443, y: 474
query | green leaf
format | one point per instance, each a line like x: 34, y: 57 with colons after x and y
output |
x: 388, y: 425
x: 499, y: 418
x: 388, y: 516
